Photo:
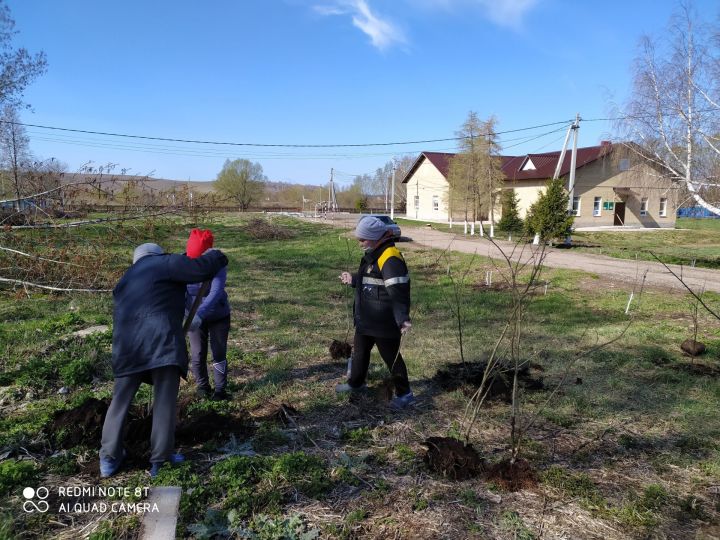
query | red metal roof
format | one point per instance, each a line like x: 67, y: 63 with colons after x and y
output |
x: 544, y: 163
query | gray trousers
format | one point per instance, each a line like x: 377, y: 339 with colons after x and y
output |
x: 215, y: 332
x: 166, y: 383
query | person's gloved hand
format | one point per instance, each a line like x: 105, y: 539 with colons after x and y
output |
x: 346, y: 278
x: 406, y: 326
x: 195, y: 324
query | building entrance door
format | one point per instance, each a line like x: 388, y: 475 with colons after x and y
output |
x: 619, y: 214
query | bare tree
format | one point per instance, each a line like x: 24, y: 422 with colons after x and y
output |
x: 402, y: 167
x: 18, y: 68
x: 673, y: 112
x: 15, y: 156
x: 381, y: 182
x: 475, y: 172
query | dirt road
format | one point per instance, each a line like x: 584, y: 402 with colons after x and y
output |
x: 618, y: 269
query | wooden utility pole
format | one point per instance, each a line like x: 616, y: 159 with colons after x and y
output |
x: 392, y: 192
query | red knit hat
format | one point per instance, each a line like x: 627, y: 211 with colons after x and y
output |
x: 199, y: 242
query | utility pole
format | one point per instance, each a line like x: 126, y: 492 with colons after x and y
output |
x: 573, y: 161
x: 392, y: 192
x: 574, y: 128
x: 332, y: 200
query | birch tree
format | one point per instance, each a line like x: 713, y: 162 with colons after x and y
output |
x: 674, y: 112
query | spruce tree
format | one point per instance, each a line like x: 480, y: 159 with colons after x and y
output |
x: 548, y: 216
x: 510, y: 221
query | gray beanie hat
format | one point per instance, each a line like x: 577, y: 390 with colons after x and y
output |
x: 146, y: 249
x: 370, y: 228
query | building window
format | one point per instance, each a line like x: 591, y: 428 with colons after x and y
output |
x: 417, y: 202
x: 436, y: 202
x: 624, y: 164
x: 597, y: 206
x: 576, y: 206
x: 643, y: 206
x: 663, y: 207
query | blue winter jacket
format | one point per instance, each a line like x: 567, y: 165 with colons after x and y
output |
x: 215, y: 304
x: 149, y: 307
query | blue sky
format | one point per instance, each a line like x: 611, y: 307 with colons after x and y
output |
x: 321, y: 72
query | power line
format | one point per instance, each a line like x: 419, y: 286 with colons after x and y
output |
x: 264, y: 145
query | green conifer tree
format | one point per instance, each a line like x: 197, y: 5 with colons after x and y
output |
x: 548, y: 216
x: 510, y: 221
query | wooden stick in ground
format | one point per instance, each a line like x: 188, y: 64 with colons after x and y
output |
x: 204, y: 288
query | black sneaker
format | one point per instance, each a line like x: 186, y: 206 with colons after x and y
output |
x: 220, y: 395
x: 204, y: 392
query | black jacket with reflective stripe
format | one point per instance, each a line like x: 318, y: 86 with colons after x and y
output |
x: 382, y: 292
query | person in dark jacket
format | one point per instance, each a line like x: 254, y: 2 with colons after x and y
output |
x: 211, y: 323
x: 381, y: 310
x: 149, y: 346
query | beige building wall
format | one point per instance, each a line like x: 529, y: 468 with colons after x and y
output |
x: 625, y: 180
x: 431, y: 189
x: 527, y: 192
x: 620, y: 177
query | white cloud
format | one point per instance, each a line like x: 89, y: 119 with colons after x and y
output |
x: 508, y: 13
x: 382, y: 32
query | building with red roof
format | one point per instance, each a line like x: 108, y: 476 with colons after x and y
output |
x: 614, y: 185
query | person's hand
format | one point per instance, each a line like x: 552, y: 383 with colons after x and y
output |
x: 346, y: 278
x: 406, y: 326
x: 195, y: 324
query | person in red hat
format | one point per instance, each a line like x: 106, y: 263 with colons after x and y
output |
x: 210, y: 325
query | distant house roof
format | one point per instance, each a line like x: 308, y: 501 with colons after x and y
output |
x: 526, y: 167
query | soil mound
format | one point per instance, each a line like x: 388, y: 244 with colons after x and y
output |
x: 203, y: 426
x: 452, y: 459
x: 340, y: 350
x: 692, y: 347
x: 259, y: 229
x: 513, y: 476
x: 468, y: 377
x: 81, y: 425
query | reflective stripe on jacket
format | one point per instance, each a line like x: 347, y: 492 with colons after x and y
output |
x: 382, y: 292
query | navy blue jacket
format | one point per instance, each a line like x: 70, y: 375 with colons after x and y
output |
x: 215, y: 304
x: 382, y: 292
x: 149, y: 307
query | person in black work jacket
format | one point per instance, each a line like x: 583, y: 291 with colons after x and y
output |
x: 381, y: 310
x: 148, y: 345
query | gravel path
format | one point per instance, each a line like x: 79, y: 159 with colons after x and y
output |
x: 619, y: 269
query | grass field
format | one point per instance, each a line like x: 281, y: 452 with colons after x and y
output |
x: 628, y: 448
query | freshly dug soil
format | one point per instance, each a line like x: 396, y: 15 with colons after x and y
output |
x: 79, y: 426
x: 83, y: 426
x: 452, y: 459
x: 340, y: 350
x: 513, y: 476
x: 468, y: 377
x: 286, y: 415
x: 692, y: 347
x: 206, y: 425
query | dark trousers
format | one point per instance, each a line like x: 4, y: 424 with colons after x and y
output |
x: 216, y: 332
x: 166, y: 382
x: 389, y: 351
